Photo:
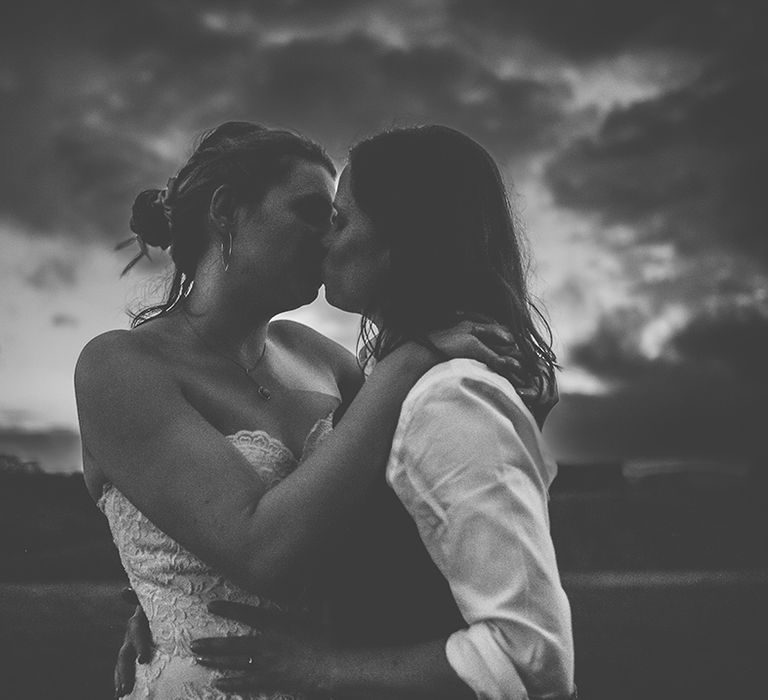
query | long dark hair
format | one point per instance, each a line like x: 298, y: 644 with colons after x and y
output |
x: 437, y: 199
x: 250, y: 158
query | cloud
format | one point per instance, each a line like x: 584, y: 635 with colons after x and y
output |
x: 340, y: 89
x: 52, y: 274
x: 99, y: 109
x: 735, y: 340
x: 593, y: 29
x: 647, y: 220
x: 679, y: 348
x: 684, y: 168
x: 60, y: 320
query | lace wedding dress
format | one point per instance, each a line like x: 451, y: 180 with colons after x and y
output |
x: 174, y: 586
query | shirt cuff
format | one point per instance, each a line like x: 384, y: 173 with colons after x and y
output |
x: 475, y: 656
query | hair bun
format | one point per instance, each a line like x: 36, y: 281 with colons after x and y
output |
x: 149, y: 220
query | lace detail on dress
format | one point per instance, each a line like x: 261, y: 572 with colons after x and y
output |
x: 174, y: 586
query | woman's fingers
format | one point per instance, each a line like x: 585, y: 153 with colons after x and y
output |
x: 141, y: 636
x: 227, y: 663
x: 128, y: 595
x: 235, y: 684
x: 224, y: 646
x: 125, y: 670
x: 493, y: 333
x: 503, y: 364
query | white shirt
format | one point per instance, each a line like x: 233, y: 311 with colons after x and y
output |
x: 469, y: 465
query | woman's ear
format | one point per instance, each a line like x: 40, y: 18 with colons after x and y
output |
x: 221, y: 211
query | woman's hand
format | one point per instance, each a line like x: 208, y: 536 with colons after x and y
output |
x: 481, y: 338
x: 478, y: 339
x: 136, y: 644
x: 286, y: 655
x: 282, y: 653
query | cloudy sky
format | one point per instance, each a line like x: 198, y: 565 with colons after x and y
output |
x: 632, y: 135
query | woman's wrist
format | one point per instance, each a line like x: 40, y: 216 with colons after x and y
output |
x: 412, y: 357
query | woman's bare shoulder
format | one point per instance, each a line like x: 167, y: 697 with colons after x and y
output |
x: 116, y: 356
x: 311, y: 343
x: 323, y: 353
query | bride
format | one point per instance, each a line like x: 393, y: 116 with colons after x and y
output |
x: 206, y: 428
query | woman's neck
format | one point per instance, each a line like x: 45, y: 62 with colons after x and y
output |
x: 226, y: 323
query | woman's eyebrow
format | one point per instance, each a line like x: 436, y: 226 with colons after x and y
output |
x: 315, y: 198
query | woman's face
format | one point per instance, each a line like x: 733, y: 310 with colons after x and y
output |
x: 356, y: 260
x: 279, y: 241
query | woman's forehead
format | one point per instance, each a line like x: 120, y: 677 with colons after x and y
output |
x: 309, y: 178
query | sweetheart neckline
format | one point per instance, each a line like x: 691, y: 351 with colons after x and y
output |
x: 269, y: 437
x: 246, y: 431
x: 277, y: 441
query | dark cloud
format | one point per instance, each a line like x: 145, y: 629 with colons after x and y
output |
x: 702, y: 396
x: 87, y: 88
x: 85, y: 113
x: 686, y: 167
x: 61, y: 320
x: 729, y: 342
x: 614, y: 351
x: 735, y: 341
x: 79, y: 180
x: 53, y: 273
x: 98, y: 101
x: 340, y: 89
x: 594, y: 29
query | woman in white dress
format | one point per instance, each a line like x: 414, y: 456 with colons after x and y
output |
x: 422, y: 230
x: 202, y: 426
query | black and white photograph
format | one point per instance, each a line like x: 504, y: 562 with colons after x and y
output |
x: 369, y: 350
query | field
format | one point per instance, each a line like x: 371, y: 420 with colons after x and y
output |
x: 666, y: 638
x: 668, y: 582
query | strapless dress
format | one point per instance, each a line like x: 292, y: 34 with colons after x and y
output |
x: 174, y: 586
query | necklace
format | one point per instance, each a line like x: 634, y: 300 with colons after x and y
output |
x: 263, y: 392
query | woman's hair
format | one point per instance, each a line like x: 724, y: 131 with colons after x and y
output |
x: 438, y: 202
x: 247, y: 157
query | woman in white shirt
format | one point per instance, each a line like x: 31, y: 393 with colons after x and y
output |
x: 424, y: 233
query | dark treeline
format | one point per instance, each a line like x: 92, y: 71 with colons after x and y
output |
x: 51, y: 530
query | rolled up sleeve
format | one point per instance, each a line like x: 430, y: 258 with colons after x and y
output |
x: 469, y: 465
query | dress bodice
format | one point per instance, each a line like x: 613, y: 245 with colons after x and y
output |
x: 174, y: 586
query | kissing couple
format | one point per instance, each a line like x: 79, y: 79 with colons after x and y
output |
x: 297, y: 522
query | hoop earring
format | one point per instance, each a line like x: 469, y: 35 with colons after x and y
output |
x: 226, y: 255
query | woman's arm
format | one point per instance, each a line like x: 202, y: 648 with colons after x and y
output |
x: 286, y: 654
x: 194, y: 485
x: 137, y: 646
x: 468, y: 465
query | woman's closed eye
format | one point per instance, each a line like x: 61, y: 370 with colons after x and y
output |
x: 316, y: 211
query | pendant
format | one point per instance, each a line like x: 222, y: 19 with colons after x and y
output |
x: 264, y: 393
